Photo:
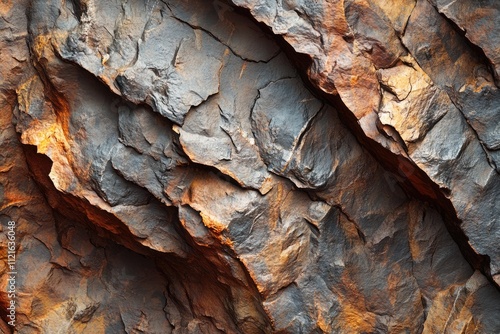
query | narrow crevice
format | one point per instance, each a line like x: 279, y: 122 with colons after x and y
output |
x: 305, y: 129
x: 389, y: 161
x: 205, y: 270
x: 166, y: 263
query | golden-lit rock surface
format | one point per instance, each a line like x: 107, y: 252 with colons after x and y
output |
x: 190, y: 166
x: 420, y: 79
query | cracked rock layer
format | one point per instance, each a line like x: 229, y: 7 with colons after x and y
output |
x: 170, y: 172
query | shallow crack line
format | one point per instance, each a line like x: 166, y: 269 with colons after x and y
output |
x: 257, y: 97
x: 361, y: 235
x: 208, y: 32
x: 301, y: 136
x: 227, y: 131
x: 419, y: 288
x: 452, y: 309
x: 219, y: 173
x: 406, y: 24
x: 176, y: 53
x: 483, y: 146
x: 254, y: 221
x: 228, y: 134
x: 276, y: 80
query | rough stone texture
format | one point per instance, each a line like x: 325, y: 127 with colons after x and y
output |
x: 421, y: 84
x: 171, y: 172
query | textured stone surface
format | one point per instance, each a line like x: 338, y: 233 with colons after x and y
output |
x: 170, y: 172
x: 399, y: 69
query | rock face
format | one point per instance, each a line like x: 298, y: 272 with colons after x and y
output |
x: 188, y: 166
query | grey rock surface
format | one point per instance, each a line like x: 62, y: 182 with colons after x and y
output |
x: 170, y: 171
x: 413, y: 63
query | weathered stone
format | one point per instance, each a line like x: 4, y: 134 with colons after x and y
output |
x: 170, y: 172
x: 278, y: 124
x: 477, y: 21
x: 358, y: 47
x: 456, y: 67
x: 411, y: 104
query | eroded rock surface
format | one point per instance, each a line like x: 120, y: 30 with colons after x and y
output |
x: 170, y: 171
x: 421, y: 79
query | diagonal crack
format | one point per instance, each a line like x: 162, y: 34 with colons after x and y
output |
x: 196, y: 27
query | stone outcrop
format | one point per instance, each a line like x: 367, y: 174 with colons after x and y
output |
x: 189, y: 166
